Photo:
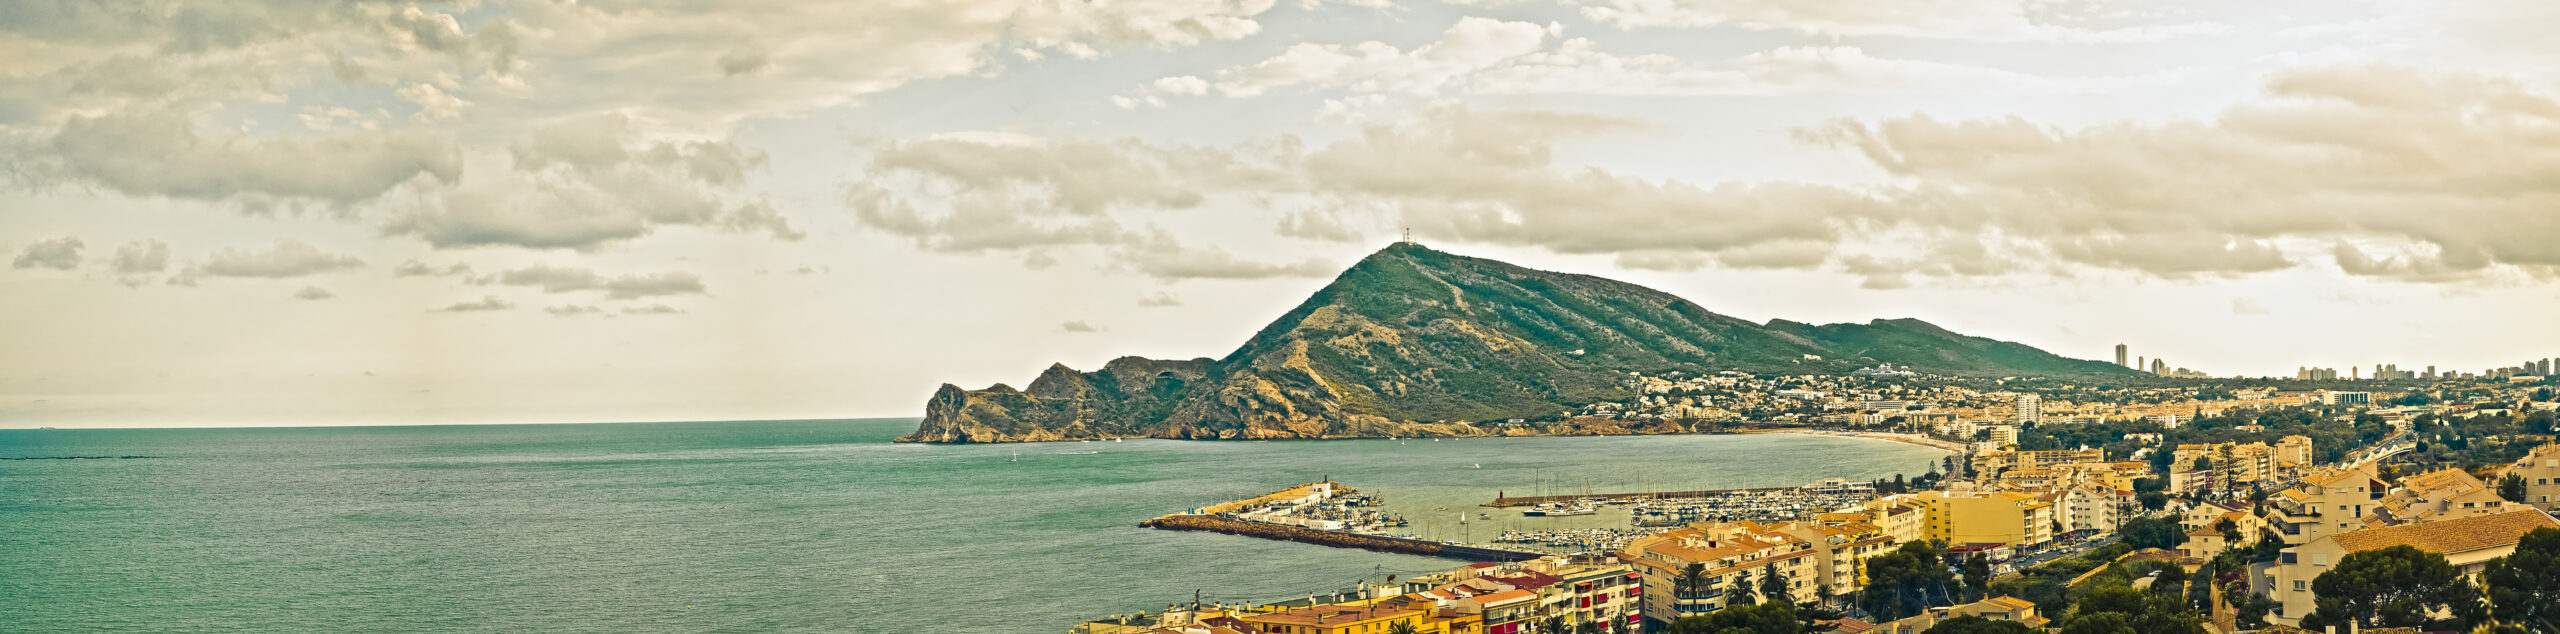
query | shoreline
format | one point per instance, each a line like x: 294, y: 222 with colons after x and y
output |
x: 1908, y: 439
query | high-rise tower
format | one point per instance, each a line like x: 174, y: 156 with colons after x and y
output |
x: 2120, y: 358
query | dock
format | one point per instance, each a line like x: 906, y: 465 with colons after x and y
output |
x: 1230, y: 519
x: 1504, y: 501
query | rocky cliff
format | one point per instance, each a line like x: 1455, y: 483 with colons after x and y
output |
x: 1414, y: 342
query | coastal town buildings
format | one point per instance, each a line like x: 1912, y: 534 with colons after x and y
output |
x: 2437, y: 495
x: 2540, y: 469
x: 1988, y: 517
x: 1691, y: 570
x: 2468, y: 543
x: 1995, y: 608
x: 2327, y: 502
x: 1991, y: 463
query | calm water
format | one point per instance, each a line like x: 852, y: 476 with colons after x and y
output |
x: 742, y: 526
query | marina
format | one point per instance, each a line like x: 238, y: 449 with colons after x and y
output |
x: 1325, y: 514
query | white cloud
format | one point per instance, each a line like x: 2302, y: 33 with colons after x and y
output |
x: 1976, y: 20
x: 1159, y: 299
x: 1487, y: 56
x: 566, y: 280
x: 163, y: 154
x: 52, y: 253
x: 141, y: 257
x: 485, y: 303
x: 288, y: 258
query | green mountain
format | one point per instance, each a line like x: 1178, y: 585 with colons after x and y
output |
x: 1412, y: 341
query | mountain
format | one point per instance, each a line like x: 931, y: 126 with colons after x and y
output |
x: 1412, y: 341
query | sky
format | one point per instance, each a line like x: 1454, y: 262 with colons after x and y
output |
x: 318, y: 212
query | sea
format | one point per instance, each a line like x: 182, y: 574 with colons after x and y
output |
x: 751, y: 526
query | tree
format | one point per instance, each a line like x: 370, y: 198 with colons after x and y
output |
x: 2524, y: 586
x: 1740, y: 593
x: 1403, y: 627
x: 2399, y: 586
x: 1902, y: 581
x: 1693, y: 581
x: 2153, y: 500
x: 1774, y: 617
x: 1977, y: 576
x: 1970, y: 624
x: 1774, y: 587
x: 2153, y: 532
x: 2121, y: 610
x: 2511, y: 487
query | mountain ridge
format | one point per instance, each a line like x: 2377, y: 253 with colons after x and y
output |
x: 1412, y: 341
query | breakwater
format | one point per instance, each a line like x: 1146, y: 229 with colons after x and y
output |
x: 1338, y: 539
x: 1504, y: 500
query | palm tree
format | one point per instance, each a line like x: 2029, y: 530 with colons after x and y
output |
x: 1693, y: 581
x: 1740, y: 593
x: 1554, y: 625
x: 1403, y: 627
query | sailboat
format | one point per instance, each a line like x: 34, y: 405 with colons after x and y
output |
x: 1017, y: 456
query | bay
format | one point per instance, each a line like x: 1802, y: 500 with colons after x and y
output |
x: 747, y: 525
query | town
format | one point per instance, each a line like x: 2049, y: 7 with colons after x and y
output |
x: 2401, y: 502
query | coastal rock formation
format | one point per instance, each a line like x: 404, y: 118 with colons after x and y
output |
x: 1416, y: 342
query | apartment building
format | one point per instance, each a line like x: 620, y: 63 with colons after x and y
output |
x: 1993, y: 462
x: 2329, y: 502
x: 1988, y: 517
x: 2439, y: 495
x: 1805, y: 554
x: 2467, y: 542
x: 2540, y: 469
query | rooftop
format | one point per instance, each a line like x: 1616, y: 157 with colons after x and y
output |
x: 2450, y: 536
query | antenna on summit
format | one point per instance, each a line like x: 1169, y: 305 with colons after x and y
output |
x: 1408, y: 235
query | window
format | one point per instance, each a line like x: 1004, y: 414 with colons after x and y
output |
x: 2299, y: 584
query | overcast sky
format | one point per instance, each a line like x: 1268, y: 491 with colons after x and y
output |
x: 297, y: 212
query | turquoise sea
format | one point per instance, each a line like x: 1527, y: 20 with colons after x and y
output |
x: 743, y: 526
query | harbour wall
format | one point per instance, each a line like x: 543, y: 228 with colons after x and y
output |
x: 1507, y: 501
x: 1378, y: 543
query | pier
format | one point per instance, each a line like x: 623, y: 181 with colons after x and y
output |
x: 1254, y: 517
x: 1504, y: 501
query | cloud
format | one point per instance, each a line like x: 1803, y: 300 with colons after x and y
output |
x: 565, y: 279
x: 140, y: 257
x: 313, y: 292
x: 288, y: 258
x: 55, y: 253
x: 414, y: 268
x: 572, y: 310
x: 163, y: 154
x: 485, y: 303
x: 1487, y: 56
x: 2455, y: 165
x: 589, y: 181
x: 1079, y: 326
x: 2247, y: 306
x: 652, y: 309
x: 1974, y: 20
x: 1159, y: 299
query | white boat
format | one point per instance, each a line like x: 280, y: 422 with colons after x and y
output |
x: 1017, y: 456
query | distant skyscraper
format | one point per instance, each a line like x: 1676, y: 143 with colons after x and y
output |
x: 2159, y: 366
x: 2120, y: 358
x: 2030, y: 408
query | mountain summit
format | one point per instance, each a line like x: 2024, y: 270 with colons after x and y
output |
x: 1412, y: 341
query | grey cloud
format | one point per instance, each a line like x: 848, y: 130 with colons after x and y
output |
x: 652, y: 309
x: 1326, y: 225
x: 485, y: 303
x: 1159, y: 299
x: 564, y: 280
x: 162, y: 154
x: 1079, y: 326
x: 743, y: 60
x: 313, y: 292
x: 572, y: 310
x: 1174, y: 262
x: 2436, y: 265
x: 653, y: 285
x: 141, y: 257
x: 414, y: 268
x: 2174, y: 256
x: 586, y: 182
x: 55, y: 253
x: 288, y: 258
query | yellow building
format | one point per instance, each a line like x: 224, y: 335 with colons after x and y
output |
x: 1341, y: 619
x: 1995, y: 517
x: 2468, y: 543
x: 1991, y: 463
x: 2541, y: 472
x: 2325, y: 503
